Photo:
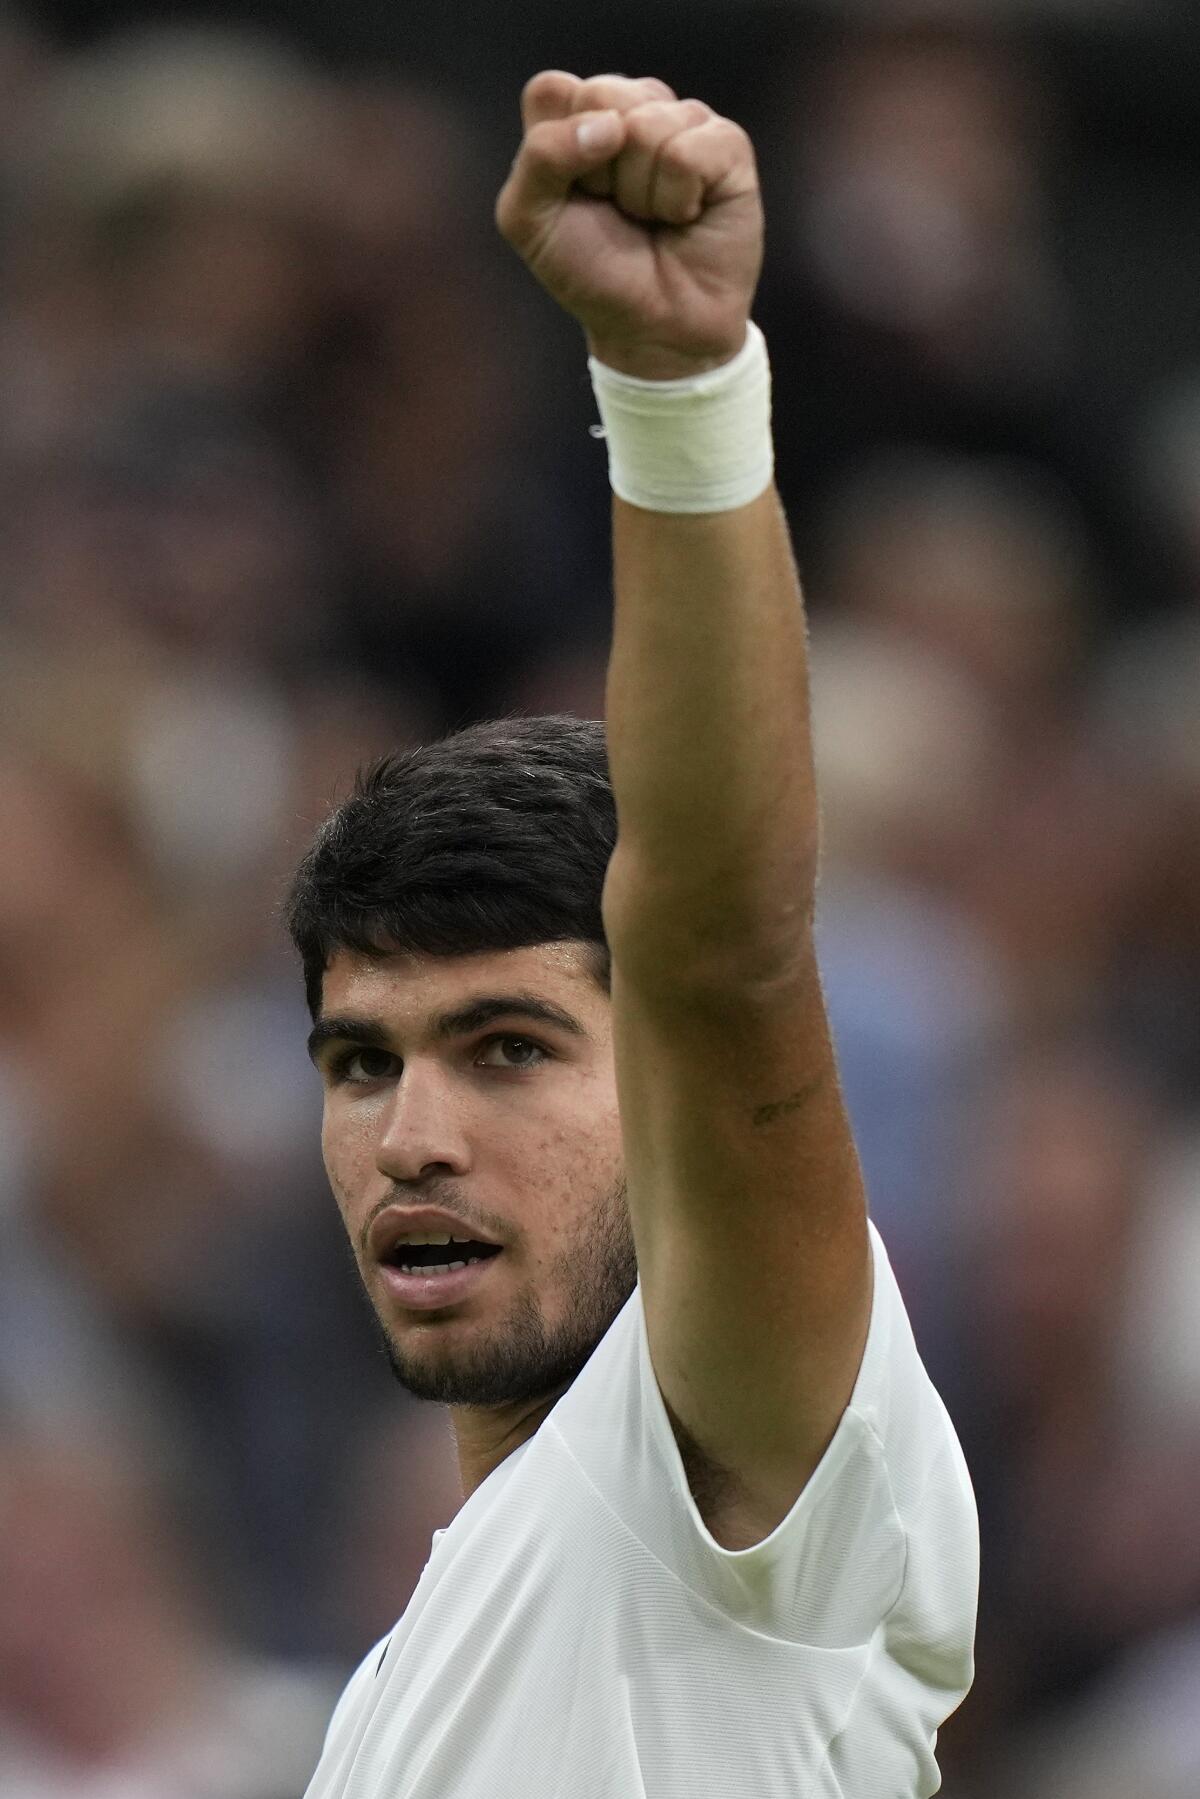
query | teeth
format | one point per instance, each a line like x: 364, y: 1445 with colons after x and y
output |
x: 439, y: 1267
x: 430, y: 1237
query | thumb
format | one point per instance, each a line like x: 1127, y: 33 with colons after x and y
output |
x: 553, y: 157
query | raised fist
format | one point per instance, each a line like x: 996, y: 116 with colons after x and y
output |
x: 640, y: 214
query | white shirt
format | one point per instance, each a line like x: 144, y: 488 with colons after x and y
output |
x: 578, y: 1634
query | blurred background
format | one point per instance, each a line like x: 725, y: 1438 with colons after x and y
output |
x: 295, y: 467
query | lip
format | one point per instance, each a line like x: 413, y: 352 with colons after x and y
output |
x: 397, y: 1221
x: 432, y: 1292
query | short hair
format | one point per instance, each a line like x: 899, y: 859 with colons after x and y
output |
x: 496, y: 837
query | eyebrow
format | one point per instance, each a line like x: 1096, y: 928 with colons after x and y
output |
x: 357, y: 1027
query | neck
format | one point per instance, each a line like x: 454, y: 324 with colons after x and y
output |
x: 486, y: 1435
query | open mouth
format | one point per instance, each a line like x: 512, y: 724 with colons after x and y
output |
x: 437, y: 1277
x: 446, y: 1256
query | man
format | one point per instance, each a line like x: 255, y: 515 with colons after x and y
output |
x: 718, y: 1537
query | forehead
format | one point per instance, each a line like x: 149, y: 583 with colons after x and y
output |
x: 410, y: 989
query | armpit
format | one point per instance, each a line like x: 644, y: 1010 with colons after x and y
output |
x: 722, y: 1497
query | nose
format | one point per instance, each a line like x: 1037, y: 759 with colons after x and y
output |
x: 423, y: 1131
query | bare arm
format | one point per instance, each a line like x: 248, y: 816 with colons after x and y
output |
x: 709, y: 744
x: 745, y: 1193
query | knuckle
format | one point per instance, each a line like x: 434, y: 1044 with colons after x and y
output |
x: 677, y: 153
x: 674, y: 191
x: 624, y: 92
x: 537, y: 156
x: 676, y: 166
x: 539, y: 88
x: 655, y: 120
x: 539, y: 141
x: 619, y: 89
x: 647, y: 122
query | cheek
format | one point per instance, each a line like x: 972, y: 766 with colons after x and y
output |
x: 601, y: 1149
x: 348, y: 1154
x: 582, y: 1163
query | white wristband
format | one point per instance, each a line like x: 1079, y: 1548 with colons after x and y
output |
x: 702, y: 444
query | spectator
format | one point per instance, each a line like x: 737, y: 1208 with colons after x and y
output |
x: 112, y: 1678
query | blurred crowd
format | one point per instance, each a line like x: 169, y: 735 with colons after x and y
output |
x: 295, y: 468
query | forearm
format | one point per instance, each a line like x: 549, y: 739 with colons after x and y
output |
x: 642, y: 214
x: 709, y: 740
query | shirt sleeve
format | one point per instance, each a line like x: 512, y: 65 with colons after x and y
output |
x: 355, y: 1688
x: 883, y: 1534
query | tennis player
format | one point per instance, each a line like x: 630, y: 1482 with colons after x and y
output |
x: 583, y: 1122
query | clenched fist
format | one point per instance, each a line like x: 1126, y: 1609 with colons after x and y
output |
x: 640, y: 214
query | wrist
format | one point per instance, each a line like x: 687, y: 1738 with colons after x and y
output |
x: 693, y: 443
x: 662, y: 362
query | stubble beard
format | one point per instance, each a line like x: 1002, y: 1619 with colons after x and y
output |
x: 520, y: 1357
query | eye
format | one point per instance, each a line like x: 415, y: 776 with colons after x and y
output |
x: 511, y: 1052
x: 360, y: 1066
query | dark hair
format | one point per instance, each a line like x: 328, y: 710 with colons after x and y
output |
x: 496, y: 837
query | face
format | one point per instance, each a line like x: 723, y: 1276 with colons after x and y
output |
x: 474, y: 1097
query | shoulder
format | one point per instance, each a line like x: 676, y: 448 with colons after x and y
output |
x: 892, y: 1477
x: 360, y: 1683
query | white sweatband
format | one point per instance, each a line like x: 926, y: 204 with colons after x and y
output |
x: 702, y: 444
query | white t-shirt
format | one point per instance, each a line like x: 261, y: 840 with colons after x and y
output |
x: 578, y: 1634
